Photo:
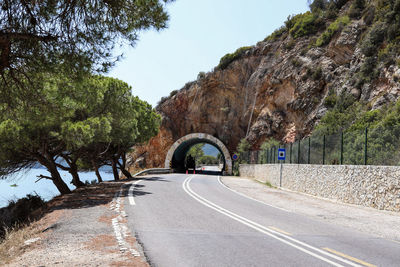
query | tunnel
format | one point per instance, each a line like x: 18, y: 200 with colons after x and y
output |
x: 175, y: 158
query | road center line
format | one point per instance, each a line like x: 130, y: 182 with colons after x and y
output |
x: 265, y: 230
x: 349, y: 257
x: 131, y: 189
x: 279, y: 230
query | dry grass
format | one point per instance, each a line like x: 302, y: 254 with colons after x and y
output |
x: 13, y: 243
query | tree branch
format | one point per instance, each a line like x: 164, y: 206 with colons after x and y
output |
x: 40, y: 177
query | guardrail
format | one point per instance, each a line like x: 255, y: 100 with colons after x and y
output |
x: 153, y: 171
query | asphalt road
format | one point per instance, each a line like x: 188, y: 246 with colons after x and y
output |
x: 194, y: 220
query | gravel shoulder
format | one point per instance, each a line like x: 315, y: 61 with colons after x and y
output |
x: 85, y: 228
x: 375, y: 222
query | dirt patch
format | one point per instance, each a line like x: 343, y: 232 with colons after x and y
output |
x: 130, y: 264
x: 106, y: 219
x: 75, y: 230
x: 101, y: 243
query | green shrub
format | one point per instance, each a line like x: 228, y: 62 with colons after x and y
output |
x: 243, y: 146
x: 318, y: 5
x: 174, y: 92
x: 290, y: 44
x: 357, y: 8
x: 201, y: 75
x: 276, y: 34
x: 334, y: 27
x: 368, y: 67
x: 19, y: 212
x: 331, y: 99
x: 229, y: 58
x: 317, y: 74
x: 296, y: 62
x: 304, y: 24
x: 369, y: 15
x: 373, y: 40
x: 269, y: 143
x: 332, y: 11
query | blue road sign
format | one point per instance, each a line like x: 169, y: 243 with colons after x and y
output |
x: 281, y: 154
x: 235, y: 157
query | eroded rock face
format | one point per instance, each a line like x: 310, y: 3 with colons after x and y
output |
x: 271, y: 91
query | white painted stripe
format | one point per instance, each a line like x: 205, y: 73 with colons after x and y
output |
x: 243, y: 195
x: 265, y: 230
x: 130, y: 193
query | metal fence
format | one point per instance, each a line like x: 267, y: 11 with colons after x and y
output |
x: 375, y: 146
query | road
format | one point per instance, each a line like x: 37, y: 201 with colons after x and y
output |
x: 194, y: 220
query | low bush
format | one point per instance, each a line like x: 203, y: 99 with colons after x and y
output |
x: 317, y: 74
x: 229, y: 58
x: 304, y: 24
x: 276, y: 34
x: 331, y: 99
x: 19, y: 212
x: 374, y: 39
x: 356, y: 8
x: 174, y: 92
x: 333, y: 28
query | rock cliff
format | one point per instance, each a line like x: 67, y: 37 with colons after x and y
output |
x: 279, y: 87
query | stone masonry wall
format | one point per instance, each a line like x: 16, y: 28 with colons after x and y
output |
x: 371, y: 186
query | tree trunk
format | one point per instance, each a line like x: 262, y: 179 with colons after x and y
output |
x: 122, y: 167
x: 115, y: 169
x: 55, y: 175
x: 96, y: 170
x: 56, y: 178
x: 126, y: 173
x: 73, y: 170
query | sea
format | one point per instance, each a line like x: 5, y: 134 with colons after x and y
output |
x: 24, y: 182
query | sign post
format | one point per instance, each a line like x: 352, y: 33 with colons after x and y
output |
x: 281, y: 157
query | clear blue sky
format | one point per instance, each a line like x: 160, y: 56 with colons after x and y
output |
x: 199, y: 34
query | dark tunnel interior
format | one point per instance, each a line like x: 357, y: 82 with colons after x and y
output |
x: 178, y: 158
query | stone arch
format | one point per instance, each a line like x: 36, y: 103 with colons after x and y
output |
x: 182, y: 145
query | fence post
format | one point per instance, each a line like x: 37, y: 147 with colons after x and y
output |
x: 273, y: 155
x: 341, y: 148
x: 309, y: 150
x: 323, y: 152
x: 366, y: 147
x: 290, y: 154
x: 284, y: 146
x: 298, y: 152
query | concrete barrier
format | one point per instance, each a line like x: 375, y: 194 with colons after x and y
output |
x: 371, y: 186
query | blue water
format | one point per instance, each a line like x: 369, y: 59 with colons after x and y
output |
x: 25, y: 182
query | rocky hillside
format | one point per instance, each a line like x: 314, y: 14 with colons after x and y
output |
x: 340, y: 53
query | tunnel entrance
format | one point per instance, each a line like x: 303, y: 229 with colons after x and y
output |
x: 177, y: 154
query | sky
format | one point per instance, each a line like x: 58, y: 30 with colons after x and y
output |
x: 199, y: 33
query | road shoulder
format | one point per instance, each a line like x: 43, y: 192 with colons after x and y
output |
x: 80, y: 230
x: 379, y: 223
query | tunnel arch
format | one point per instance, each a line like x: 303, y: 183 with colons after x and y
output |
x: 181, y: 146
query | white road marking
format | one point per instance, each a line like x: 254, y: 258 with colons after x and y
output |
x: 131, y: 189
x: 243, y: 195
x: 265, y: 230
x: 121, y: 230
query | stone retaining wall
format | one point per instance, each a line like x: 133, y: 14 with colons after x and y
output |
x: 372, y: 186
